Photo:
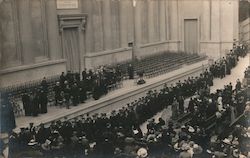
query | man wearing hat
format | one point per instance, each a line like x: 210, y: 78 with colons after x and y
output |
x: 57, y: 90
x: 185, y: 153
x: 142, y: 153
x: 26, y: 103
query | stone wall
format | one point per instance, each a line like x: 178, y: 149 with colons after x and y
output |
x: 244, y: 32
x: 30, y: 32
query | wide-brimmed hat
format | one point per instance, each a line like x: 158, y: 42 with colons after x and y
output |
x: 142, y: 153
x: 218, y: 114
x: 32, y: 142
x: 185, y: 147
x: 151, y: 138
x: 183, y: 127
x: 197, y: 149
x: 135, y: 131
x: 45, y: 145
x: 214, y: 139
x: 235, y: 141
x: 226, y: 141
x: 191, y: 129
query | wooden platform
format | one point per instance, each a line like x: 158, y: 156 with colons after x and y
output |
x: 115, y: 99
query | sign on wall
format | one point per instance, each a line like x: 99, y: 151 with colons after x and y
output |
x: 67, y: 4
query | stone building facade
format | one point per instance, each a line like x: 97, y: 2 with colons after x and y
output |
x: 45, y: 37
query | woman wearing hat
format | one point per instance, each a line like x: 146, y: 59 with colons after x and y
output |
x: 185, y: 153
x: 174, y: 109
x: 142, y: 153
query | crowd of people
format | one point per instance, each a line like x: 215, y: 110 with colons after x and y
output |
x: 71, y: 89
x: 119, y: 135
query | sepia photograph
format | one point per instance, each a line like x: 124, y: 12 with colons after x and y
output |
x: 124, y: 79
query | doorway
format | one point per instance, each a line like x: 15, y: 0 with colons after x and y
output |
x: 191, y: 36
x: 71, y: 49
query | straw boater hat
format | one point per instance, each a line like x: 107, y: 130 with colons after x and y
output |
x: 46, y: 145
x: 197, y: 149
x: 191, y: 129
x: 218, y: 114
x: 32, y: 142
x: 235, y: 141
x: 226, y: 141
x: 185, y: 147
x: 142, y: 153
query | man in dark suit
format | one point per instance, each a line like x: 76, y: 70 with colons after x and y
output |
x: 131, y: 71
x: 26, y: 104
x: 43, y: 99
x: 75, y: 94
x: 57, y: 90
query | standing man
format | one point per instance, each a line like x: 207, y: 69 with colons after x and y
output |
x: 84, y: 74
x: 35, y: 103
x: 75, y: 94
x: 174, y: 109
x: 131, y: 71
x: 67, y: 92
x: 57, y: 90
x: 44, y: 85
x: 26, y: 103
x: 181, y: 104
x: 43, y: 101
x: 62, y: 78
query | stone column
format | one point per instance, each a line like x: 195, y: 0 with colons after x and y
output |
x: 205, y: 21
x: 167, y: 13
x: 130, y: 21
x: 215, y: 19
x: 162, y: 20
x: 123, y: 23
x: 106, y: 14
x: 173, y: 20
x: 236, y: 19
x: 10, y: 54
x: 151, y: 21
x: 137, y: 22
x: 55, y: 49
x: 26, y: 31
x: 97, y: 25
x: 89, y: 33
x: 115, y: 24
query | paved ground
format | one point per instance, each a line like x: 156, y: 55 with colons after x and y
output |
x: 128, y: 86
x: 236, y: 73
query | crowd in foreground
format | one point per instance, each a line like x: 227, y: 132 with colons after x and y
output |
x: 119, y: 135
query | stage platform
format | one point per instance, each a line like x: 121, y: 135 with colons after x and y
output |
x: 116, y: 99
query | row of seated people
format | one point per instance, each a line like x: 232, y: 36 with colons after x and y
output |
x: 118, y: 135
